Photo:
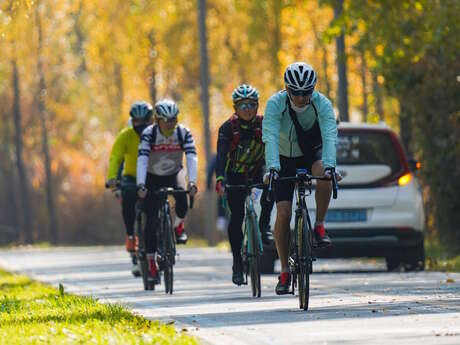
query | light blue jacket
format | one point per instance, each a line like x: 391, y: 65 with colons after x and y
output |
x: 279, y: 135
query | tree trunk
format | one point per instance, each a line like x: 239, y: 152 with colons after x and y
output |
x: 341, y: 68
x: 324, y: 63
x: 22, y: 174
x: 152, y: 68
x: 276, y: 6
x: 405, y: 127
x: 10, y: 197
x: 52, y: 218
x: 365, y: 108
x: 376, y: 90
x: 204, y: 79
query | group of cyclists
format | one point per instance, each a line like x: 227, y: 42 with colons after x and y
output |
x: 298, y: 130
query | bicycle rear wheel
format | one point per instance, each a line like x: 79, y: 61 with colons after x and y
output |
x: 304, y: 257
x: 254, y: 260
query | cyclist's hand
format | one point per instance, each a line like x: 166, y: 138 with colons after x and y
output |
x: 268, y: 175
x: 192, y: 188
x: 141, y: 191
x: 220, y: 189
x: 112, y: 183
x: 328, y: 173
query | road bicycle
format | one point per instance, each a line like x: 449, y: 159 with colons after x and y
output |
x: 252, y: 247
x: 302, y: 243
x: 166, y: 249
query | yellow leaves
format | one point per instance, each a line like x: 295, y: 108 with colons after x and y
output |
x: 379, y: 49
x: 418, y: 6
x: 415, y: 59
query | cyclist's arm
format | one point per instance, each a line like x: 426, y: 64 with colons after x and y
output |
x: 116, y: 156
x: 143, y: 156
x: 223, y: 147
x: 191, y: 156
x: 328, y: 127
x: 270, y: 134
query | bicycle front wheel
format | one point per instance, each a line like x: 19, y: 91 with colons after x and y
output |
x: 304, y: 257
x: 170, y: 251
x: 254, y: 261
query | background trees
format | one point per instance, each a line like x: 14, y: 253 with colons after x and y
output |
x: 70, y: 70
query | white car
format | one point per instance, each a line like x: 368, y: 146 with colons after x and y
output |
x: 379, y: 211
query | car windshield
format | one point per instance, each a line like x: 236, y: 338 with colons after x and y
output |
x: 366, y: 148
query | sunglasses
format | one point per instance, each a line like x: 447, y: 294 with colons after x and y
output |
x: 173, y: 120
x: 300, y: 92
x: 244, y: 106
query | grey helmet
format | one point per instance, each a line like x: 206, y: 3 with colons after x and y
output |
x: 166, y: 109
x: 141, y: 110
x: 245, y: 91
x: 300, y: 76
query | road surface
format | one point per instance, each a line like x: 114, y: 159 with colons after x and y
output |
x: 352, y: 301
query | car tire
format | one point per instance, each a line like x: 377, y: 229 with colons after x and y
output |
x: 415, y: 258
x: 267, y: 262
x: 393, y: 263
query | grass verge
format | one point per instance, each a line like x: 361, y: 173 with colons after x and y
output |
x: 35, y: 313
x: 438, y: 258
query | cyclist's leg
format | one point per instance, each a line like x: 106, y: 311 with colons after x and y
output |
x: 264, y: 221
x: 152, y: 204
x: 181, y: 207
x: 236, y: 198
x: 322, y: 198
x: 128, y: 206
x: 284, y: 192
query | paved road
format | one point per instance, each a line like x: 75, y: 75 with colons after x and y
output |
x: 364, y: 306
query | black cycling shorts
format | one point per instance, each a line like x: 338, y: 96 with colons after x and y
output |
x: 284, y: 190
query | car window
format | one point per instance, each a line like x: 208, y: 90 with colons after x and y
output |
x: 363, y: 148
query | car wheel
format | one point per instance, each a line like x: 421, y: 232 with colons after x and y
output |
x: 267, y: 262
x: 393, y: 263
x: 415, y: 258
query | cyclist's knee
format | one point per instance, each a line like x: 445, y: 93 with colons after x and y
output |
x: 284, y: 210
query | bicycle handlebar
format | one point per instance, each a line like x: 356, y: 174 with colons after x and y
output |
x: 245, y: 186
x: 173, y: 191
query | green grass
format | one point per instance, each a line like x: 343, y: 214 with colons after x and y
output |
x: 34, y: 313
x: 438, y: 258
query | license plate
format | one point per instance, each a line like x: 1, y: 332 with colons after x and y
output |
x: 336, y: 216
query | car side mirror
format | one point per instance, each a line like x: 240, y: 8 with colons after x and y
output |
x: 414, y: 165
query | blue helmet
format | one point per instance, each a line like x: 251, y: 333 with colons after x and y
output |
x: 245, y: 91
x: 141, y: 110
x: 166, y: 109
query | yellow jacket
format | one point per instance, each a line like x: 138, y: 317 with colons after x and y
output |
x: 124, y: 149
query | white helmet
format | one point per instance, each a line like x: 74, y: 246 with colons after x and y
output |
x: 300, y: 77
x: 166, y: 109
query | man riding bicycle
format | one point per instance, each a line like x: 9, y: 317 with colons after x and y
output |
x: 124, y: 151
x: 159, y: 162
x: 240, y: 160
x: 299, y: 131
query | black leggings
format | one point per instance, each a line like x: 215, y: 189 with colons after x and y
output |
x: 152, y: 204
x: 236, y: 198
x: 128, y: 203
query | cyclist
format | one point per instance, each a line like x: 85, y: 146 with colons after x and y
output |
x: 159, y: 162
x: 125, y: 150
x: 240, y: 160
x: 299, y: 131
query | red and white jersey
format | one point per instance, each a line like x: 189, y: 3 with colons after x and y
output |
x: 163, y: 156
